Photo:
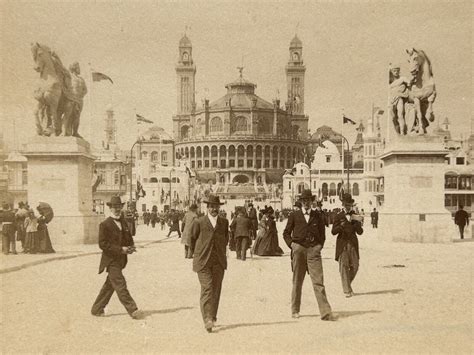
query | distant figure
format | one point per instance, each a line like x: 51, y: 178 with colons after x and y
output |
x: 31, y: 228
x: 297, y: 206
x: 374, y: 217
x: 186, y: 228
x: 7, y: 221
x: 116, y: 243
x: 209, y: 238
x: 347, y: 225
x: 266, y: 243
x: 45, y: 245
x: 174, y: 224
x: 252, y: 215
x: 461, y: 218
x: 20, y: 216
x: 240, y: 228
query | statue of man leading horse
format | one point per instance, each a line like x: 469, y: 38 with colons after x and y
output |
x: 411, y: 98
x: 59, y: 94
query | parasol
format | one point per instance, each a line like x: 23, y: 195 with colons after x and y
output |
x: 45, y: 210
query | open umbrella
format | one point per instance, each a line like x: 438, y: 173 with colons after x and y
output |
x: 45, y: 210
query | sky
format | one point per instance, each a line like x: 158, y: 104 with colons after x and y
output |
x: 347, y: 47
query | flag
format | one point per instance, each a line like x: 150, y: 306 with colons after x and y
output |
x: 96, y: 76
x: 378, y: 111
x: 141, y: 119
x: 347, y: 120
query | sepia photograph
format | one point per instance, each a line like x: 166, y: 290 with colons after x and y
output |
x: 184, y: 176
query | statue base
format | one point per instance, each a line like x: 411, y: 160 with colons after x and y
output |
x: 413, y: 209
x: 60, y: 173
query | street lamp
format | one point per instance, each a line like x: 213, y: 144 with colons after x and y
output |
x: 171, y: 199
x: 131, y: 167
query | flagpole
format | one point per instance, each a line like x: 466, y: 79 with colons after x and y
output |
x: 342, y: 144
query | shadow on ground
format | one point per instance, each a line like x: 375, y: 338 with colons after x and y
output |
x: 381, y: 292
x: 244, y: 325
x: 341, y: 314
x: 147, y: 313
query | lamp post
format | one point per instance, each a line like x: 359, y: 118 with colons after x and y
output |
x: 131, y: 167
x: 171, y: 198
x: 347, y: 142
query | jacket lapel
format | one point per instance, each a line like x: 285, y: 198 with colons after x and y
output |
x: 312, y: 215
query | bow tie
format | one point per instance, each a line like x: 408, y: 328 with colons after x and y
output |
x: 116, y: 219
x: 307, y: 212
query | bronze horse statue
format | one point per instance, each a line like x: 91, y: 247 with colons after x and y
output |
x: 422, y: 92
x: 55, y: 100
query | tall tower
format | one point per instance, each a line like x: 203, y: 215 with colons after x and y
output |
x: 110, y: 129
x: 185, y: 77
x: 295, y: 70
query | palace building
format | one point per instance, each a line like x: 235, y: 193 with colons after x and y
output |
x: 240, y: 143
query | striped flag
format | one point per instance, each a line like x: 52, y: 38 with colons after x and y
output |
x: 96, y: 76
x: 141, y: 119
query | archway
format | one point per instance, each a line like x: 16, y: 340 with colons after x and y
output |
x: 240, y: 179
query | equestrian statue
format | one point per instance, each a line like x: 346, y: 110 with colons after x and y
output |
x: 59, y: 94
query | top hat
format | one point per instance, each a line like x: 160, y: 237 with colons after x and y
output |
x: 307, y: 194
x: 115, y: 201
x: 193, y: 207
x: 214, y: 200
x: 268, y: 210
x: 250, y: 204
x: 347, y: 198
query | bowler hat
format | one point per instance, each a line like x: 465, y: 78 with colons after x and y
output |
x: 347, y: 198
x: 268, y: 210
x: 298, y: 204
x: 306, y: 194
x: 193, y: 207
x: 115, y: 201
x: 214, y: 200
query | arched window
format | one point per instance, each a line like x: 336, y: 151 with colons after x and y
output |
x: 206, y: 151
x: 240, y: 124
x: 249, y: 151
x: 263, y: 125
x: 197, y: 129
x: 231, y: 151
x: 295, y: 132
x: 144, y: 155
x: 198, y: 152
x: 116, y: 177
x: 186, y: 152
x: 184, y: 132
x: 332, y: 189
x: 240, y: 151
x: 259, y: 151
x: 355, y: 189
x: 216, y: 124
x: 213, y: 151
x: 154, y: 156
x: 192, y: 152
x: 165, y: 180
x: 164, y: 157
x: 222, y: 151
x: 153, y: 179
x: 325, y: 189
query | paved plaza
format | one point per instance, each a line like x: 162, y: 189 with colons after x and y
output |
x: 410, y: 298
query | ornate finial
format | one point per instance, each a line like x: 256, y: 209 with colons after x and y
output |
x: 241, y: 68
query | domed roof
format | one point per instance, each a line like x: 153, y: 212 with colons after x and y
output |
x: 296, y: 42
x: 156, y: 133
x: 185, y: 42
x: 241, y: 93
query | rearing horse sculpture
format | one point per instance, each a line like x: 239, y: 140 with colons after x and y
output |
x: 53, y: 92
x: 422, y: 91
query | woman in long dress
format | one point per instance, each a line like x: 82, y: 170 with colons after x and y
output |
x: 45, y: 245
x: 266, y: 243
x: 31, y: 228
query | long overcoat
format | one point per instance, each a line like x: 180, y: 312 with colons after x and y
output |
x: 346, y: 232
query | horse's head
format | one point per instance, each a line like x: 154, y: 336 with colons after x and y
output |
x: 41, y: 55
x: 418, y: 62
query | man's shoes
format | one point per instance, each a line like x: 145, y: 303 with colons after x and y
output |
x: 329, y: 317
x: 101, y: 314
x: 137, y: 314
x: 295, y: 315
x: 349, y: 294
x: 209, y: 324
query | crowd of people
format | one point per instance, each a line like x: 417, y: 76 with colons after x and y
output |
x: 24, y: 226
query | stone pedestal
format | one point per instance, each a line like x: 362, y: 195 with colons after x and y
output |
x: 413, y: 209
x: 60, y: 173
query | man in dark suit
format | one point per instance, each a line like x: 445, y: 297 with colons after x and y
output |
x: 252, y: 215
x: 305, y: 235
x: 116, y: 242
x: 374, y: 218
x: 209, y: 238
x: 461, y: 218
x: 241, y: 227
x: 346, y: 225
